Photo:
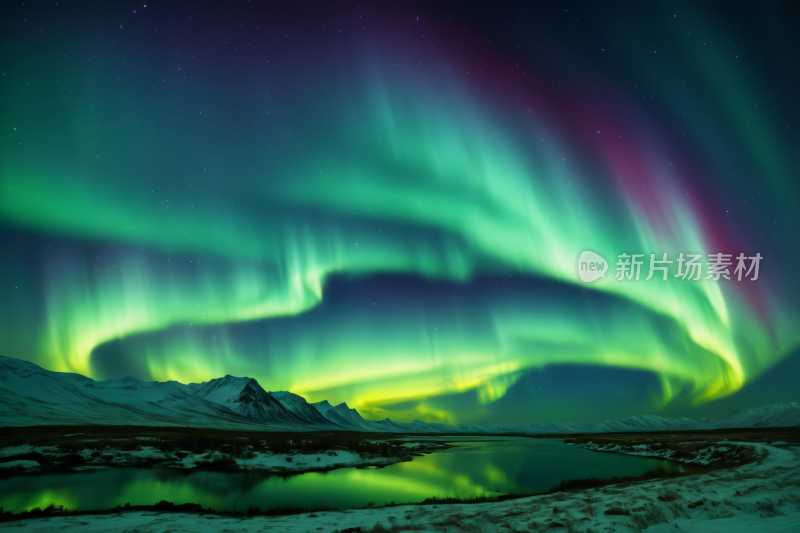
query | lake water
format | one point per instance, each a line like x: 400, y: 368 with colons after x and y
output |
x: 504, y: 464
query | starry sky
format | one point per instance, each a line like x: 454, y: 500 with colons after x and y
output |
x: 384, y: 203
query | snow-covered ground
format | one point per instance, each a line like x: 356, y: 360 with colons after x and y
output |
x: 22, y: 462
x: 298, y: 462
x: 757, y: 497
x: 149, y: 455
x: 706, y: 453
x: 8, y: 451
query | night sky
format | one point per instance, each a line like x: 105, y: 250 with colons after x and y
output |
x: 384, y: 203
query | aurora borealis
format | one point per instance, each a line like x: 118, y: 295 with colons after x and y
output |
x: 383, y: 204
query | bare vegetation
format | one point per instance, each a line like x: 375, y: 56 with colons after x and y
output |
x: 196, y: 440
x: 651, y: 515
x: 765, y: 508
x: 71, y: 446
x: 668, y: 496
x: 590, y: 511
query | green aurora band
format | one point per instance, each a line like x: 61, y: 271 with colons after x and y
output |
x: 203, y: 224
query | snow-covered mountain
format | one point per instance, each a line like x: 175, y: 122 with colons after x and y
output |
x: 31, y: 395
x: 772, y: 415
x: 125, y: 382
x: 342, y: 414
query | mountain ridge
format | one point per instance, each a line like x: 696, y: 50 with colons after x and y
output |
x: 32, y: 395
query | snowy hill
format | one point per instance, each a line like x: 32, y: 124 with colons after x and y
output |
x: 306, y: 412
x: 31, y: 395
x: 330, y: 413
x: 773, y: 415
x: 246, y: 397
x: 125, y: 382
x: 350, y: 416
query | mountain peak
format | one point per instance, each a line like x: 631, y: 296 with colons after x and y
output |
x: 39, y: 396
x: 124, y: 382
x: 230, y: 389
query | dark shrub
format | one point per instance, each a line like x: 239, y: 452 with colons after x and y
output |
x: 164, y: 504
x: 165, y: 445
x: 220, y: 462
x: 767, y: 508
x: 72, y: 459
x: 127, y: 445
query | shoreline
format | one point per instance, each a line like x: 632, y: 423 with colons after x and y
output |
x: 37, y: 450
x: 719, y: 499
x: 27, y: 460
x: 758, y: 488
